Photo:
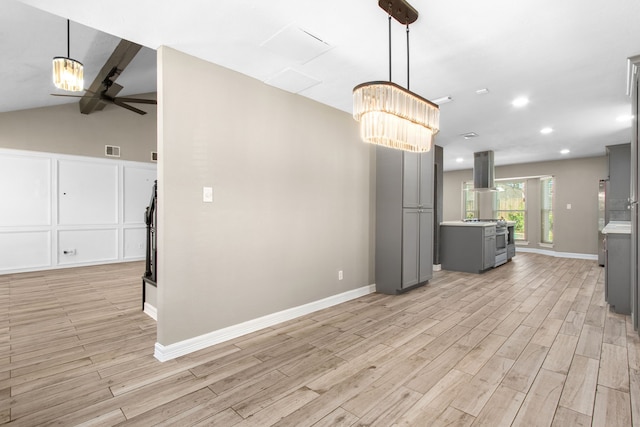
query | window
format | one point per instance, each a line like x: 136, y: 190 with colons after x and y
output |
x: 469, y: 200
x: 511, y: 205
x: 546, y: 206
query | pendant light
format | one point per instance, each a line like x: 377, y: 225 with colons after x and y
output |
x: 390, y: 115
x: 68, y: 73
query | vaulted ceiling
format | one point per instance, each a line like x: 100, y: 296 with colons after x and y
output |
x: 569, y: 58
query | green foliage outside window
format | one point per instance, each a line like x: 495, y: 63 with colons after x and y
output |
x: 511, y: 205
x: 518, y: 217
x: 546, y: 211
x: 470, y: 205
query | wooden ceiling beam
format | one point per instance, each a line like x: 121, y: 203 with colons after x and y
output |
x: 115, y: 65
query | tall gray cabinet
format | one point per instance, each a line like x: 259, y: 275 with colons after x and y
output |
x: 404, y: 219
x: 634, y: 92
x: 618, y: 190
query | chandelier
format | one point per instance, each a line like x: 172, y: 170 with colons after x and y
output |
x: 390, y: 115
x: 67, y: 72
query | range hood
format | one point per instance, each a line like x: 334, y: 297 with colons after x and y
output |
x: 483, y: 171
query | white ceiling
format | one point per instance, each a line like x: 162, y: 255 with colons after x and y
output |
x: 568, y: 57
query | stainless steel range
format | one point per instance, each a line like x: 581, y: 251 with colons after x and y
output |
x: 502, y: 238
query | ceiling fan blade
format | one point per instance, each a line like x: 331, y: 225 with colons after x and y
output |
x: 137, y: 100
x: 128, y: 107
x: 117, y: 62
x: 68, y: 96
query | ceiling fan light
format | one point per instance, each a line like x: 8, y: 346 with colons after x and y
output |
x: 394, y: 117
x: 68, y: 74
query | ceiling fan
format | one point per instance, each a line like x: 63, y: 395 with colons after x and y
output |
x: 103, y: 89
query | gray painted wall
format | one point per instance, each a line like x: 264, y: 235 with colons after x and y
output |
x: 293, y: 199
x: 62, y: 129
x: 575, y: 229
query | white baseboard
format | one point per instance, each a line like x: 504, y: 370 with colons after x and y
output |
x: 63, y: 266
x: 557, y: 254
x: 171, y: 351
x: 151, y: 311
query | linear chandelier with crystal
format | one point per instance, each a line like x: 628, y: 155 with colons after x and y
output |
x: 390, y: 115
x: 68, y: 74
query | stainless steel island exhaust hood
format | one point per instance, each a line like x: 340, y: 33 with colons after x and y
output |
x: 483, y: 171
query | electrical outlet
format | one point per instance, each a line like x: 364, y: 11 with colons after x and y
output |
x: 340, y: 276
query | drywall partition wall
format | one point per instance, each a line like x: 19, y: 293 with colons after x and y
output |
x: 63, y: 211
x: 576, y: 180
x: 62, y: 129
x: 291, y: 206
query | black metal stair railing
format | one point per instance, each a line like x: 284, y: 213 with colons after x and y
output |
x: 150, y: 218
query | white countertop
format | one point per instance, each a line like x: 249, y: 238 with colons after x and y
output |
x: 617, y: 227
x: 469, y: 224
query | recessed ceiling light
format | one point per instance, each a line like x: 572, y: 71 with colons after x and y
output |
x: 565, y: 151
x: 469, y: 135
x: 459, y: 160
x: 546, y: 131
x: 520, y: 102
x: 624, y: 118
x: 482, y: 91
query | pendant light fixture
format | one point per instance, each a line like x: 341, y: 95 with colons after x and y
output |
x: 68, y: 73
x: 390, y: 115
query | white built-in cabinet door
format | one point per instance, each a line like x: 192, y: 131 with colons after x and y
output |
x: 25, y: 193
x: 87, y: 193
x: 58, y: 210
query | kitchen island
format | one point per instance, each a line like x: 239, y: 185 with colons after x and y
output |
x: 474, y: 246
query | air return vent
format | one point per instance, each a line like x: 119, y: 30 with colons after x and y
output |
x: 297, y: 44
x: 111, y: 151
x: 154, y: 156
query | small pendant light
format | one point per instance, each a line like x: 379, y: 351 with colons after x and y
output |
x: 68, y: 74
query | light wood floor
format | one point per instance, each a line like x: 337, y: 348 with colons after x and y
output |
x: 531, y: 343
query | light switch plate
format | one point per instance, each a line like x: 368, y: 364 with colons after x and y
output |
x: 568, y: 205
x: 207, y: 194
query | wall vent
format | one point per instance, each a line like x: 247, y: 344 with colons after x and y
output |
x: 111, y: 151
x: 154, y: 156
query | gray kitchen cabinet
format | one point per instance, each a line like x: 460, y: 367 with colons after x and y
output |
x: 417, y: 253
x: 619, y: 187
x: 617, y: 266
x: 468, y: 247
x: 404, y: 235
x: 489, y: 253
x: 417, y: 183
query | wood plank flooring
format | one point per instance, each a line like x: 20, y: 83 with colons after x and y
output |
x: 531, y: 343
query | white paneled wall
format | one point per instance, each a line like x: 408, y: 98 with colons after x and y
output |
x: 62, y: 211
